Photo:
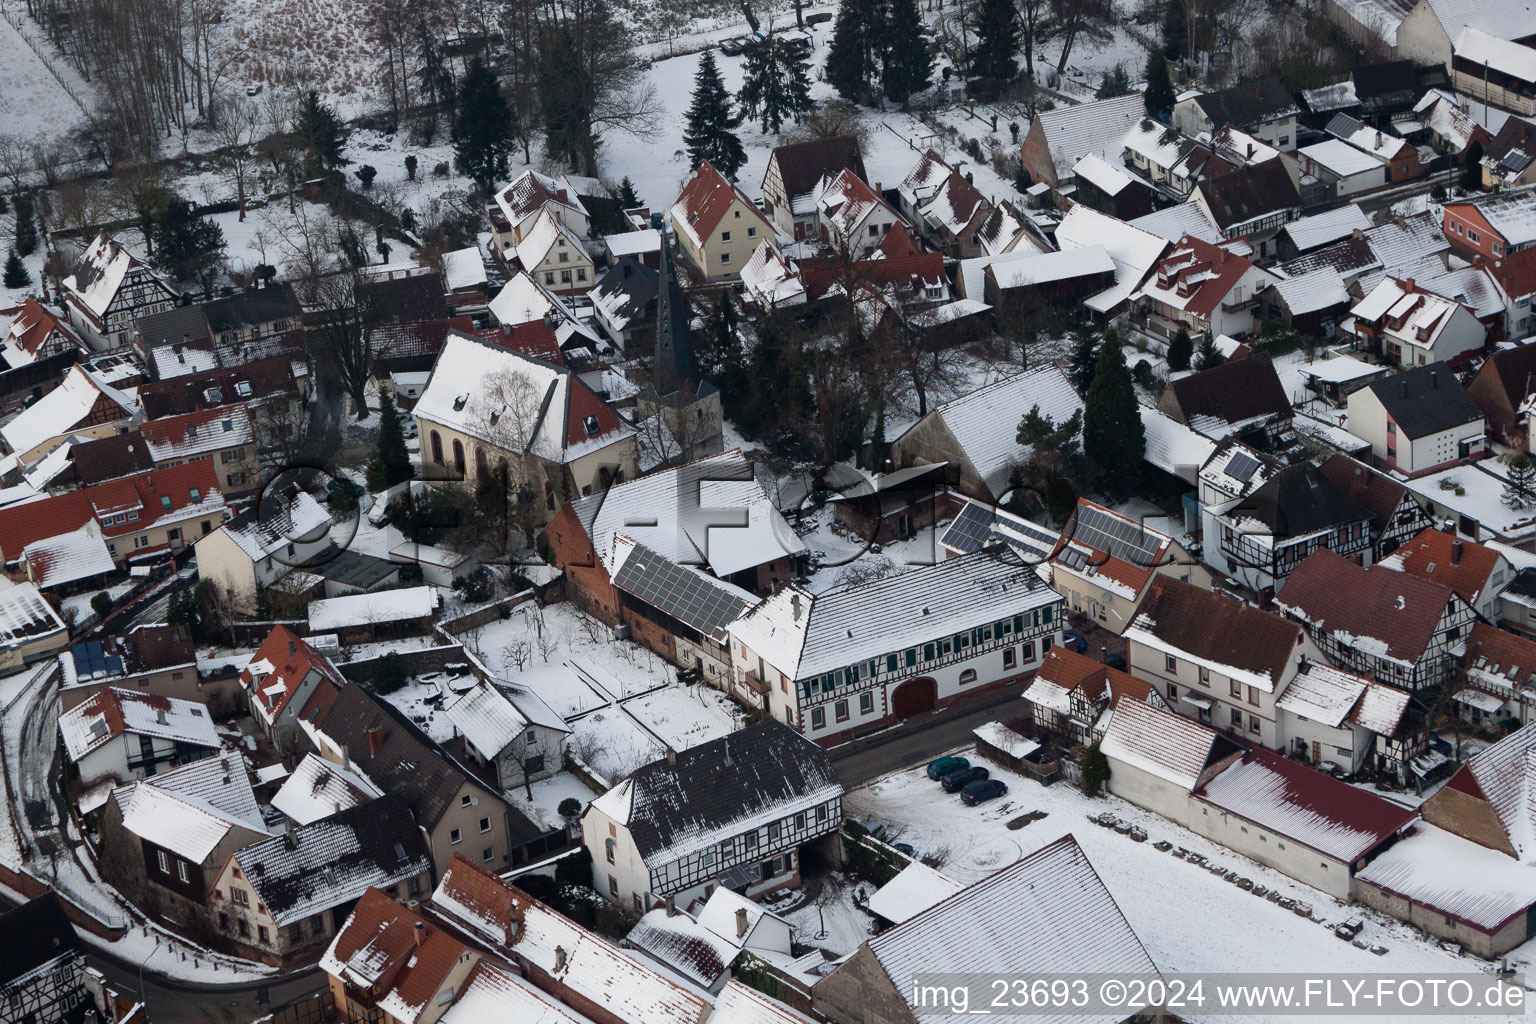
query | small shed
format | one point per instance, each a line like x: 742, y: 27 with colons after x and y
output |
x: 439, y: 566
x: 1001, y: 745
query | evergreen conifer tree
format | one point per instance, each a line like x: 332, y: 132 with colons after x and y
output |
x: 1210, y: 356
x: 776, y: 84
x: 16, y: 275
x: 1159, y: 95
x: 1085, y: 355
x: 627, y: 194
x: 391, y: 463
x: 852, y: 61
x: 26, y: 225
x: 484, y: 130
x: 1115, y: 83
x: 188, y: 247
x: 1520, y: 485
x: 1114, y: 439
x: 908, y: 65
x: 1175, y: 31
x: 1179, y: 351
x: 323, y: 134
x: 997, y: 29
x: 711, y: 130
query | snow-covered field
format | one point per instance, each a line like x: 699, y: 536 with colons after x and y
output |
x: 36, y: 106
x: 1189, y: 919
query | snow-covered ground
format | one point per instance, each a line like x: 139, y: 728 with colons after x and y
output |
x: 544, y: 807
x: 36, y: 104
x: 1189, y: 919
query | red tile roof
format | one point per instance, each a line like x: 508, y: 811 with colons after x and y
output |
x: 1071, y: 671
x: 917, y: 270
x: 292, y: 660
x: 20, y: 525
x: 411, y: 955
x: 707, y: 196
x: 1209, y: 270
x: 1508, y: 655
x: 1334, y: 594
x: 533, y: 338
x: 898, y: 242
x: 1516, y: 273
x: 34, y: 325
x: 583, y: 403
x: 1101, y: 562
x: 1462, y: 565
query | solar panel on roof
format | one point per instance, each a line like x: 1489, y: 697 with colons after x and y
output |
x: 673, y: 589
x: 1115, y: 536
x: 970, y: 529
x: 1241, y: 466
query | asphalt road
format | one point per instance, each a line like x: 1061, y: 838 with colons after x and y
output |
x: 172, y: 1002
x: 921, y: 739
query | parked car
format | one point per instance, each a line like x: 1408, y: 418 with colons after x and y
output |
x: 1116, y: 661
x: 981, y: 791
x: 944, y: 764
x: 379, y: 517
x: 955, y: 781
x: 1074, y: 641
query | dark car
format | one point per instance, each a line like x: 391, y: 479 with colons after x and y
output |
x: 1116, y: 661
x: 981, y: 791
x: 944, y: 764
x: 1074, y: 642
x: 955, y: 781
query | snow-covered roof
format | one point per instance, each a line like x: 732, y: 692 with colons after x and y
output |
x: 1377, y: 143
x: 804, y: 635
x: 393, y: 951
x: 270, y: 528
x: 1027, y: 269
x: 1340, y: 157
x: 1497, y: 53
x: 769, y: 278
x: 1163, y: 744
x: 845, y: 201
x: 1511, y: 214
x: 1173, y: 223
x: 1321, y: 228
x: 1173, y: 447
x: 1322, y: 694
x: 1304, y: 805
x: 103, y: 266
x: 517, y: 404
x: 1312, y: 292
x: 189, y: 810
x: 619, y: 985
x: 1103, y: 175
x: 531, y: 192
x: 113, y: 712
x: 1134, y: 250
x: 319, y: 788
x: 739, y: 1004
x: 521, y: 300
x: 710, y: 513
x: 68, y: 557
x: 1013, y: 921
x: 463, y: 268
x: 363, y: 609
x: 679, y: 942
x: 633, y: 243
x: 487, y: 720
x: 1072, y: 131
x: 1473, y: 287
x: 64, y: 408
x: 1340, y: 369
x: 1327, y: 98
x: 985, y: 422
x: 915, y: 888
x: 1441, y: 113
x: 547, y: 234
x: 1005, y: 739
x: 497, y: 995
x: 194, y: 434
x: 1453, y: 876
x: 25, y: 616
x: 1158, y: 143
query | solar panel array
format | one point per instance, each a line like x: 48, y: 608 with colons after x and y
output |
x: 681, y: 593
x: 1241, y: 466
x: 977, y: 525
x: 1115, y: 536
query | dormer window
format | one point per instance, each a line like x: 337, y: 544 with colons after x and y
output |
x: 460, y: 402
x: 213, y: 396
x: 228, y: 425
x: 592, y: 426
x: 165, y: 502
x: 192, y: 431
x: 196, y: 494
x: 243, y: 389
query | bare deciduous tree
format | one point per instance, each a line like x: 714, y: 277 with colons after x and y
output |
x: 235, y: 133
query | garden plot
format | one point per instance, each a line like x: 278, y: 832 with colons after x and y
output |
x: 1167, y: 900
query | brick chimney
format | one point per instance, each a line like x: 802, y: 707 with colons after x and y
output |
x: 375, y: 739
x: 419, y: 934
x: 741, y: 922
x: 559, y: 959
x: 1408, y: 286
x: 1456, y: 549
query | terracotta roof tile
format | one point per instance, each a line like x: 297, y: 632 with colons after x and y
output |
x: 1334, y: 594
x: 408, y: 954
x: 1216, y: 628
x: 1463, y: 565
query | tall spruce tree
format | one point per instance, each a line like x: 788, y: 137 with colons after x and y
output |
x: 16, y: 275
x: 776, y: 84
x: 1209, y: 357
x: 908, y: 66
x: 711, y: 130
x: 1159, y: 95
x: 853, y: 62
x: 323, y: 134
x: 1085, y: 356
x: 26, y: 225
x: 997, y: 32
x: 391, y: 463
x: 188, y: 247
x: 1114, y: 439
x: 484, y: 130
x: 1180, y: 349
x: 627, y: 194
x: 1520, y: 482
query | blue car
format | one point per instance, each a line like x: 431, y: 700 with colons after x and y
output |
x: 1074, y: 642
x: 946, y: 764
x: 981, y: 791
x: 955, y: 781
